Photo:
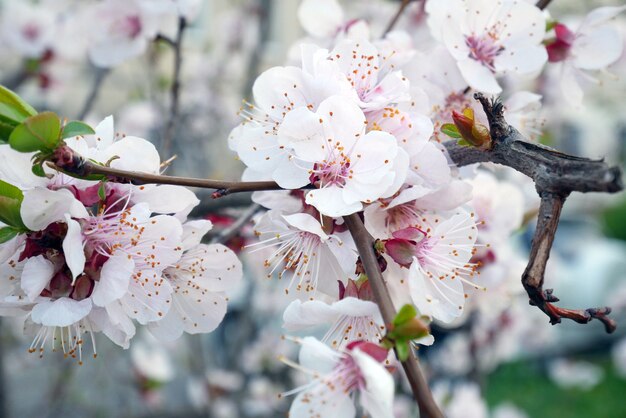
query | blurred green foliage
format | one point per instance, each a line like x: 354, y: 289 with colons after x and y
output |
x: 526, y: 385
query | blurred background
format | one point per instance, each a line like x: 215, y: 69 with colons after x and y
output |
x: 503, y: 360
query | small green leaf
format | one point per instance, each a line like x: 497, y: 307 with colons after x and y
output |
x: 550, y: 24
x: 406, y: 313
x: 464, y: 143
x: 75, y: 128
x: 10, y: 203
x: 8, y: 233
x: 451, y: 130
x: 37, y: 170
x: 37, y: 133
x: 403, y: 349
x: 102, y: 193
x: 12, y: 106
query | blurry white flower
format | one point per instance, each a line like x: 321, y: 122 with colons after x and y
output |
x: 578, y: 374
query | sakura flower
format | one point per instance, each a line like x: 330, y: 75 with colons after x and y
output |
x: 125, y: 31
x: 438, y: 261
x: 310, y: 256
x: 340, y: 375
x: 27, y: 28
x: 332, y: 151
x: 199, y: 280
x: 489, y: 39
x: 372, y: 75
x: 592, y: 47
x: 320, y: 19
x: 353, y: 317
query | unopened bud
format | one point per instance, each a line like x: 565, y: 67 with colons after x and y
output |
x: 471, y: 131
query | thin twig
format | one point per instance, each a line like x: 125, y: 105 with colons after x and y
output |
x: 229, y: 232
x: 542, y: 4
x: 365, y: 245
x: 221, y: 187
x: 396, y: 17
x: 172, y: 123
x: 99, y: 76
x: 556, y: 175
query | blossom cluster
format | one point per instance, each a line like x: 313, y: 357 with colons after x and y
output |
x: 353, y: 125
x: 100, y: 256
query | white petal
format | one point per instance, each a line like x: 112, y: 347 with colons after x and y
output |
x: 300, y: 315
x: 478, y: 76
x: 36, y: 275
x: 321, y: 401
x: 15, y: 168
x: 317, y: 356
x: 320, y: 18
x: 135, y: 154
x: 41, y: 207
x: 303, y: 131
x: 149, y: 299
x: 329, y: 201
x: 114, y: 279
x: 343, y: 120
x: 306, y: 222
x: 440, y: 299
x: 527, y: 60
x: 165, y: 199
x: 377, y: 398
x: 597, y: 49
x: 73, y: 248
x: 194, y: 231
x: 61, y: 313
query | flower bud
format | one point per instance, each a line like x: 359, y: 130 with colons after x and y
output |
x: 474, y: 133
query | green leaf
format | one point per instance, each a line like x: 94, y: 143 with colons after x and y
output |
x: 102, y: 193
x: 464, y: 143
x: 37, y: 170
x: 406, y: 313
x: 12, y: 106
x: 451, y: 130
x: 403, y: 349
x: 75, y: 128
x: 8, y: 233
x: 550, y: 24
x: 10, y: 203
x: 37, y: 133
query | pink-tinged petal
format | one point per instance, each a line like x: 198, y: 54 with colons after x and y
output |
x: 377, y: 398
x: 320, y: 18
x: 401, y: 251
x: 597, y: 49
x: 194, y: 231
x: 114, y: 279
x: 478, y: 76
x: 375, y: 351
x: 36, y: 275
x: 61, y: 312
x: 301, y: 315
x: 73, y: 248
x: 41, y: 207
x: 412, y: 234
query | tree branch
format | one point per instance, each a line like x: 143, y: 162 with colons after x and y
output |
x: 365, y: 245
x: 172, y: 123
x: 542, y: 4
x: 84, y: 169
x: 396, y: 17
x: 99, y: 76
x: 556, y: 175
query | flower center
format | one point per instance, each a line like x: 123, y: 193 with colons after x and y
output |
x: 333, y: 173
x: 484, y: 49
